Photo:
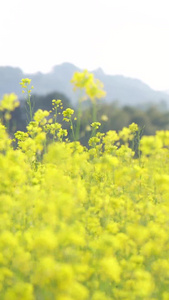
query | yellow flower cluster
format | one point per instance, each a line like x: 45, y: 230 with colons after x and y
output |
x: 85, y: 81
x: 8, y: 104
x: 89, y: 224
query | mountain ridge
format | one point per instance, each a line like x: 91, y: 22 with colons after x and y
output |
x: 125, y: 90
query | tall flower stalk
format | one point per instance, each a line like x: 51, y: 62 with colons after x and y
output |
x: 67, y: 117
x: 90, y: 88
x: 25, y: 83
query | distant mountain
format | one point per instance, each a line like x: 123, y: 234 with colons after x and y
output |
x: 126, y: 90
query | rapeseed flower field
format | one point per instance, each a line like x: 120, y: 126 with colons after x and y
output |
x: 81, y: 223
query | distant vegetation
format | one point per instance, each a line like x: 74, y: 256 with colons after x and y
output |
x: 111, y: 116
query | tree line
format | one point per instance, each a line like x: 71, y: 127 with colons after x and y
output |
x: 111, y: 116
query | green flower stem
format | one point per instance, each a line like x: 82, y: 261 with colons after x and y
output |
x: 29, y: 105
x: 55, y: 119
x: 79, y: 114
x: 73, y: 133
x: 93, y: 132
x: 94, y: 111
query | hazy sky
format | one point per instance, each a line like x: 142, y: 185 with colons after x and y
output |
x: 128, y: 37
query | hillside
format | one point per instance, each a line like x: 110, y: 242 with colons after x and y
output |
x: 127, y: 91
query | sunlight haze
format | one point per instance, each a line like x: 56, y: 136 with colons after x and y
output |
x: 130, y: 38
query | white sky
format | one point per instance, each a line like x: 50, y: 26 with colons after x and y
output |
x: 128, y: 37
